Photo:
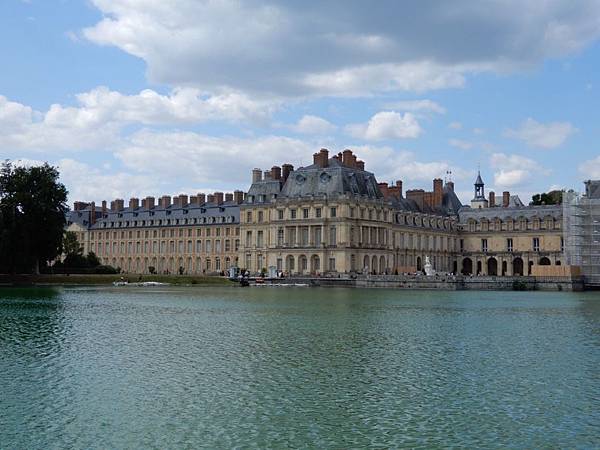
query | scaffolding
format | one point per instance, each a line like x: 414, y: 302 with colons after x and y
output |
x: 581, y: 225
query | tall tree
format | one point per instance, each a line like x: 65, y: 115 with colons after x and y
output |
x: 32, y: 216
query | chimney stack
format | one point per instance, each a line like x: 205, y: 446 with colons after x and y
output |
x: 165, y: 201
x: 104, y: 208
x: 438, y: 192
x: 238, y: 197
x: 256, y: 175
x: 276, y: 173
x: 417, y: 195
x: 399, y: 186
x: 228, y: 197
x: 93, y: 213
x: 492, y: 200
x: 218, y: 198
x: 210, y: 198
x: 285, y: 171
x: 383, y: 187
x: 347, y: 158
x: 201, y: 198
x: 505, y: 199
x: 117, y: 204
x: 134, y: 203
x: 321, y: 158
x: 149, y: 203
x: 360, y: 165
x: 78, y: 206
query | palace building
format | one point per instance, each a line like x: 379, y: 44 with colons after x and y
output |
x: 329, y: 217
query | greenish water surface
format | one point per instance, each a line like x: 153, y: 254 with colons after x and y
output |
x: 178, y: 367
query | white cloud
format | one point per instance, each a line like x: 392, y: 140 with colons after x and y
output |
x: 425, y: 105
x: 455, y: 125
x: 591, y: 168
x: 547, y: 136
x: 386, y: 125
x: 459, y: 143
x: 213, y: 161
x: 309, y: 124
x: 89, y: 183
x: 478, y: 131
x: 514, y: 170
x: 336, y: 48
x: 100, y: 114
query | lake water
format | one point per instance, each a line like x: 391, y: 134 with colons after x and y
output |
x: 297, y: 368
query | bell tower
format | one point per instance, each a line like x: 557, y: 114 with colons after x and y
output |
x: 479, y: 201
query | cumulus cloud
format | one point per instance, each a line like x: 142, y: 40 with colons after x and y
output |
x: 101, y: 113
x: 514, y: 170
x: 591, y: 168
x: 213, y: 161
x: 540, y: 135
x: 425, y: 106
x: 339, y: 48
x: 309, y: 124
x: 386, y: 125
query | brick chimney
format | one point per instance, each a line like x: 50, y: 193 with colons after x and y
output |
x: 256, y: 175
x: 93, y: 213
x: 285, y: 171
x: 148, y: 202
x: 505, y: 199
x: 492, y: 200
x: 228, y: 197
x: 176, y: 201
x: 428, y: 199
x: 360, y: 165
x: 78, y: 206
x: 183, y: 200
x: 238, y: 197
x: 104, y: 209
x: 218, y: 198
x: 267, y: 175
x: 438, y: 192
x: 347, y: 159
x: 321, y: 158
x: 399, y: 186
x: 383, y: 187
x: 134, y: 203
x: 210, y: 198
x: 276, y: 173
x: 165, y: 201
x: 193, y: 199
x: 201, y: 198
x: 117, y: 204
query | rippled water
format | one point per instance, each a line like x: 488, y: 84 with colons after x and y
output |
x: 297, y: 368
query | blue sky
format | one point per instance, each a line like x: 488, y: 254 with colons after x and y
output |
x: 135, y: 98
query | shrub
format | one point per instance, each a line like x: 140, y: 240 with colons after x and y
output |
x: 107, y: 270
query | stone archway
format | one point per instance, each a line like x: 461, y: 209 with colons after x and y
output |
x: 544, y: 261
x: 467, y: 266
x: 492, y: 267
x: 382, y: 264
x: 366, y: 265
x: 315, y: 264
x: 419, y: 265
x: 290, y: 265
x: 302, y: 264
x: 504, y: 268
x: 518, y: 267
x: 374, y: 265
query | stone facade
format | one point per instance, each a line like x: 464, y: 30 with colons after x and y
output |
x: 329, y: 217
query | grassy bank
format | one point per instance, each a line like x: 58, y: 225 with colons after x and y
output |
x: 109, y: 279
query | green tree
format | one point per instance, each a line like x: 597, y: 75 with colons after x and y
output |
x: 32, y: 216
x: 547, y: 198
x: 71, y: 245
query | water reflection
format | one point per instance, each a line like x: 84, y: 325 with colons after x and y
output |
x: 314, y: 368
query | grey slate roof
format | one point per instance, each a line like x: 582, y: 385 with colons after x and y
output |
x: 336, y: 179
x: 513, y: 212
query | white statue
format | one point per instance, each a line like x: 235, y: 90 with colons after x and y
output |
x: 428, y: 267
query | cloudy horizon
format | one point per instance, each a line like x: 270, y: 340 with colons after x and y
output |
x: 149, y: 97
